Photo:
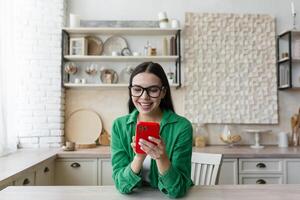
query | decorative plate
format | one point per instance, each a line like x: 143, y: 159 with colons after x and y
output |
x: 109, y: 76
x: 114, y: 43
x: 83, y: 126
x: 95, y: 45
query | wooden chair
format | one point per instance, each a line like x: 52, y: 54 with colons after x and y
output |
x: 205, y: 168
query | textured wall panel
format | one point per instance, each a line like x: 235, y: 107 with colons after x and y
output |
x: 230, y: 62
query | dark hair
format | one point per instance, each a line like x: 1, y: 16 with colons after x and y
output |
x: 156, y: 69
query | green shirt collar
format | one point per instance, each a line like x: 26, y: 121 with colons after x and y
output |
x: 168, y: 117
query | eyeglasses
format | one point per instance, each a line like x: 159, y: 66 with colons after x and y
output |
x: 152, y: 91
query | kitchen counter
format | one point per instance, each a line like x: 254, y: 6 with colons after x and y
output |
x: 220, y: 192
x: 247, y: 152
x: 13, y: 164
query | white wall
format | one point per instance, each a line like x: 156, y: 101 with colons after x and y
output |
x: 38, y: 55
x: 289, y: 101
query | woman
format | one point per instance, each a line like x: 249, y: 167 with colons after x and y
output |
x: 166, y: 165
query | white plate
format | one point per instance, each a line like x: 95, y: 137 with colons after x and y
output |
x: 114, y: 43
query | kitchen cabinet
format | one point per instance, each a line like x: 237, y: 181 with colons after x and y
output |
x: 105, y: 172
x: 4, y: 184
x: 292, y: 167
x: 45, y: 173
x: 135, y: 37
x: 228, y: 172
x: 25, y: 179
x: 76, y: 172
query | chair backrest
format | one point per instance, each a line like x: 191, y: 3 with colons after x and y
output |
x: 205, y: 168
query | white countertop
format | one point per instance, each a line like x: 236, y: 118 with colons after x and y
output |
x: 15, y: 163
x: 12, y: 164
x: 218, y: 192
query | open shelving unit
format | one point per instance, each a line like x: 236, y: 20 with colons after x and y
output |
x: 88, y: 31
x: 286, y: 66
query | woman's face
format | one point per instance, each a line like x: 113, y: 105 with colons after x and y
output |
x: 148, y: 102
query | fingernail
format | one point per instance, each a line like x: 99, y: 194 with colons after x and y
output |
x: 141, y: 140
x: 140, y: 143
x: 150, y: 138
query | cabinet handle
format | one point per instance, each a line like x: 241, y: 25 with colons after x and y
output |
x: 46, y: 169
x: 75, y: 165
x: 26, y: 181
x: 261, y: 181
x: 261, y: 165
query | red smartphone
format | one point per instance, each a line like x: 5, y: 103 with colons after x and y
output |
x: 144, y: 130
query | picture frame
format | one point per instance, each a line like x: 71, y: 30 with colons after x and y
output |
x: 78, y: 46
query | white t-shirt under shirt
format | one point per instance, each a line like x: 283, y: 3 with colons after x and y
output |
x: 146, y: 169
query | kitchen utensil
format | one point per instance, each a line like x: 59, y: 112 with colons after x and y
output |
x: 104, y: 138
x: 95, y: 45
x: 83, y: 126
x: 294, y: 139
x: 114, y: 43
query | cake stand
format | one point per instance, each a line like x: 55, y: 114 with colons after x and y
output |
x: 256, y: 133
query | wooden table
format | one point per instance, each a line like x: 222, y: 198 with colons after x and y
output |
x: 230, y: 192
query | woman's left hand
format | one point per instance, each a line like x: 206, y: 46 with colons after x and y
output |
x: 156, y: 151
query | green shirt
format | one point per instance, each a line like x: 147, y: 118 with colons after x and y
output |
x: 177, y: 134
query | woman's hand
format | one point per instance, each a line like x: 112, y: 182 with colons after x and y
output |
x: 138, y: 155
x: 156, y: 151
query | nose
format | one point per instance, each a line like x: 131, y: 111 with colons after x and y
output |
x: 145, y: 95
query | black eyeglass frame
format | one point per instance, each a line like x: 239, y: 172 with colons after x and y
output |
x: 146, y: 89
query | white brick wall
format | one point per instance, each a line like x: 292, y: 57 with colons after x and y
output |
x: 38, y: 53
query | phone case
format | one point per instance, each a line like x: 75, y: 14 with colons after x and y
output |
x: 144, y: 130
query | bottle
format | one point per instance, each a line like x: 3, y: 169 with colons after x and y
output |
x: 146, y: 48
x: 165, y: 47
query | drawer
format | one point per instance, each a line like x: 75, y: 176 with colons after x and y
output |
x: 75, y: 172
x: 260, y: 166
x: 25, y: 180
x: 261, y: 179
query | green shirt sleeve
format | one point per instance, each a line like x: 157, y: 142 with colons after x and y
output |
x: 125, y: 179
x: 177, y: 180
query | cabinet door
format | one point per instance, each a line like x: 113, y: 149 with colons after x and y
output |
x: 45, y: 173
x: 261, y: 179
x: 26, y: 179
x: 75, y: 172
x: 4, y: 184
x: 292, y: 168
x: 105, y: 172
x: 228, y: 172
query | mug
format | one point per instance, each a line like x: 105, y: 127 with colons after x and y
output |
x: 77, y: 80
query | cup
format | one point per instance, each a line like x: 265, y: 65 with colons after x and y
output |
x: 83, y: 81
x: 162, y: 16
x: 136, y: 54
x: 175, y: 23
x: 77, y: 80
x: 114, y: 53
x: 74, y: 20
x: 283, y: 139
x: 70, y: 145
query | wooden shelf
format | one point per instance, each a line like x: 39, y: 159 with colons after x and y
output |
x: 101, y: 85
x: 121, y: 58
x: 283, y: 60
x: 123, y: 31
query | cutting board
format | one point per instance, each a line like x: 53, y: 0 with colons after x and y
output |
x: 83, y: 127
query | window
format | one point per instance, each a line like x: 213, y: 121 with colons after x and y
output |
x: 7, y: 79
